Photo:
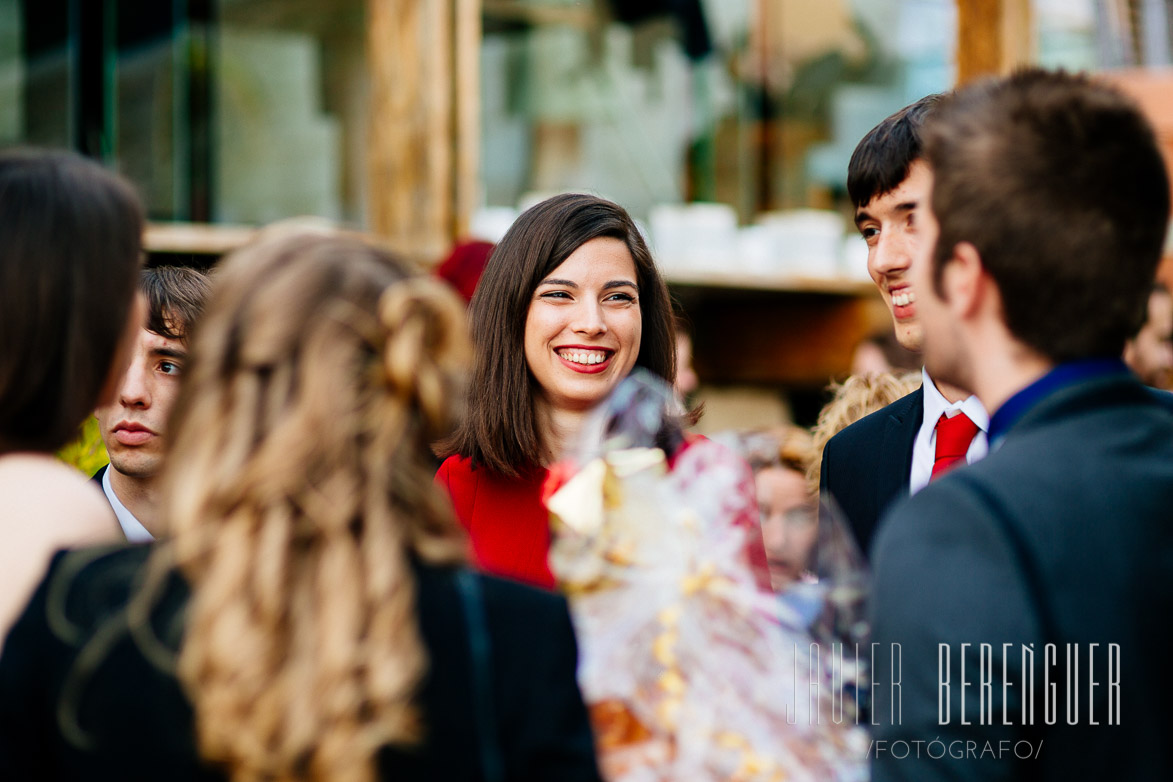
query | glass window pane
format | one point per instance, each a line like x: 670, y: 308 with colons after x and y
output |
x: 635, y: 106
x: 1065, y: 31
x: 151, y: 123
x: 290, y: 99
x: 11, y: 72
x: 37, y: 77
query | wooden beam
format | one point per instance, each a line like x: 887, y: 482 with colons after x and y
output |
x: 993, y: 37
x: 196, y: 238
x: 424, y: 121
x: 439, y: 127
x: 468, y: 113
x: 529, y: 12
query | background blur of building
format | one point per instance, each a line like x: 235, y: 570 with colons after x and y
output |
x: 724, y: 126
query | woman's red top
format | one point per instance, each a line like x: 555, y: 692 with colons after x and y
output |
x: 509, y: 527
x: 507, y: 524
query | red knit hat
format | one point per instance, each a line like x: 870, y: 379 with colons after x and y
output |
x: 463, y: 267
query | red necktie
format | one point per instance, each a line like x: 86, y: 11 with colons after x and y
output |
x: 953, y: 438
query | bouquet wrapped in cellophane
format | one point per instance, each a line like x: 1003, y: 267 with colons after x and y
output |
x: 690, y: 669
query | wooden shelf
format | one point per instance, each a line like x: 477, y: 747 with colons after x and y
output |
x: 787, y: 332
x: 747, y: 328
x: 530, y: 13
x: 196, y: 238
x: 835, y: 286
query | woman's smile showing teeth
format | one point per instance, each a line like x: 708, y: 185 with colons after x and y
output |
x: 582, y: 356
x: 585, y: 360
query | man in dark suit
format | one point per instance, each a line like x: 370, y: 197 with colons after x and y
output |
x: 134, y: 426
x: 1021, y: 605
x: 892, y: 452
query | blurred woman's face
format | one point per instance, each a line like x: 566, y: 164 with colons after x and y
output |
x: 789, y: 523
x: 583, y: 328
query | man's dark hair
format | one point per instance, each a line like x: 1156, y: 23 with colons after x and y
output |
x: 70, y: 252
x: 882, y: 158
x: 501, y: 429
x: 175, y: 299
x: 1058, y: 182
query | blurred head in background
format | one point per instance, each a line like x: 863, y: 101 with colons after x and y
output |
x: 686, y: 378
x: 1150, y: 352
x: 788, y: 509
x: 463, y: 267
x: 70, y: 253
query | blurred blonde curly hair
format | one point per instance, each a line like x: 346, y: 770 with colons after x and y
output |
x: 851, y: 400
x: 302, y: 490
x: 786, y: 446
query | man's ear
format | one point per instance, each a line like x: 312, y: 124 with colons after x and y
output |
x: 964, y: 280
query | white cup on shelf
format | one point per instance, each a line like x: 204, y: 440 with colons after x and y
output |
x: 699, y: 237
x: 808, y: 241
x: 854, y: 258
x: 757, y: 251
x: 489, y: 223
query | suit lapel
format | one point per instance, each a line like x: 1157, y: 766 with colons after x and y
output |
x: 900, y: 432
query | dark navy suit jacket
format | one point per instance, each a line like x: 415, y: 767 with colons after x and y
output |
x: 1062, y: 535
x: 866, y: 466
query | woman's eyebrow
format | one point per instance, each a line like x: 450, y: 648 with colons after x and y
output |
x: 606, y: 286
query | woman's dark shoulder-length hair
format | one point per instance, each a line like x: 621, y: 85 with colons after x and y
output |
x: 500, y: 430
x: 70, y: 253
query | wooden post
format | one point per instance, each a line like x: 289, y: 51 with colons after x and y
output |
x: 993, y: 37
x: 468, y: 112
x: 424, y: 121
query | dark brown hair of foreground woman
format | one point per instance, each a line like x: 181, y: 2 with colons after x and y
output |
x: 70, y: 252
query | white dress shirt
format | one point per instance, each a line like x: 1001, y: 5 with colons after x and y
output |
x: 924, y: 450
x: 131, y: 527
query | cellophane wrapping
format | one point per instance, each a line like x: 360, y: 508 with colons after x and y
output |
x: 690, y: 670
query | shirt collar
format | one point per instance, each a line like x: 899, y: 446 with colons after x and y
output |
x: 1061, y: 376
x: 936, y: 404
x: 132, y: 528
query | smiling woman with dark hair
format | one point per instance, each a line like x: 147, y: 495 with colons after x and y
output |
x: 570, y: 302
